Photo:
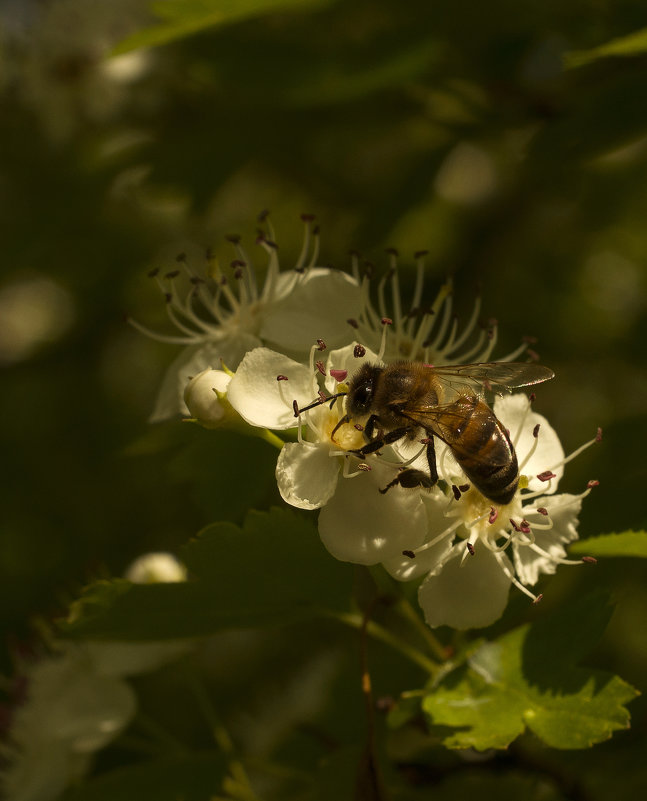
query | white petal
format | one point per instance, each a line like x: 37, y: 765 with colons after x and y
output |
x: 362, y: 526
x: 345, y: 359
x: 317, y: 307
x: 306, y: 475
x: 190, y: 362
x: 466, y: 595
x: 263, y: 401
x: 563, y: 510
x: 515, y: 413
x: 157, y: 567
x: 403, y: 567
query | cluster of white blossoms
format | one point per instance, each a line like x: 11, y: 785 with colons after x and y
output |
x: 75, y: 699
x: 465, y: 550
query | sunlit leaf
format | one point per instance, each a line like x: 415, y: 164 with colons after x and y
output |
x: 628, y: 543
x: 634, y: 44
x: 273, y: 570
x: 181, y: 18
x: 529, y: 680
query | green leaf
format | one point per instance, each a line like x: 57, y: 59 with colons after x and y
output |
x: 528, y: 679
x: 628, y: 543
x: 182, y: 18
x: 273, y: 570
x: 634, y: 44
x: 191, y: 778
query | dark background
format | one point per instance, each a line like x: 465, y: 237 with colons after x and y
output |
x: 453, y: 127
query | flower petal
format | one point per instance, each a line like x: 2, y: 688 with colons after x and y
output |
x: 362, y: 526
x: 260, y: 399
x: 190, y: 362
x: 465, y: 594
x: 515, y: 413
x: 306, y: 475
x: 317, y: 307
x: 563, y: 510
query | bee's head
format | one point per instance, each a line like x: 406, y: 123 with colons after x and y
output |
x: 360, y: 391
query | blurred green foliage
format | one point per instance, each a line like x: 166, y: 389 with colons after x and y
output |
x: 479, y: 132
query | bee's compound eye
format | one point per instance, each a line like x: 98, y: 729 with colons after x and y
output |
x: 362, y: 397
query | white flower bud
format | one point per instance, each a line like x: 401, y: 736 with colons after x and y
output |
x: 155, y: 568
x: 203, y: 397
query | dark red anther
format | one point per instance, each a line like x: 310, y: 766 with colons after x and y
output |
x: 592, y: 483
x: 223, y: 281
x: 532, y: 397
x: 598, y: 435
x: 271, y: 244
x: 386, y: 321
x: 529, y: 340
x: 152, y: 273
x: 237, y: 263
x: 425, y: 440
x: 339, y: 375
x: 295, y: 406
x: 281, y: 378
x: 307, y: 217
x: 542, y: 510
x: 494, y: 513
x: 546, y: 475
x: 366, y: 468
x: 168, y: 298
x: 238, y: 273
x: 463, y: 487
x: 359, y: 426
x: 391, y: 251
x: 172, y: 274
x: 322, y: 396
x: 233, y: 238
x: 470, y: 548
x: 524, y: 526
x: 321, y: 367
x: 409, y: 554
x: 321, y: 345
x: 487, y: 385
x: 196, y: 280
x: 209, y: 254
x: 263, y: 215
x: 352, y: 322
x: 420, y: 253
x: 535, y: 431
x: 359, y: 351
x: 514, y: 525
x: 456, y: 491
x: 316, y: 230
x: 534, y: 356
x: 539, y: 598
x: 180, y: 257
x: 590, y: 560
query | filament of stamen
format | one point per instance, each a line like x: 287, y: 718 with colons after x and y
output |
x: 574, y: 454
x: 530, y: 453
x: 510, y: 575
x: 169, y: 339
x: 438, y: 537
x: 470, y: 325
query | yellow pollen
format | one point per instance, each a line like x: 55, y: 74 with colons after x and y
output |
x: 347, y: 437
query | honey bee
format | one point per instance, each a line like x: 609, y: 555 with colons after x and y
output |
x: 403, y: 398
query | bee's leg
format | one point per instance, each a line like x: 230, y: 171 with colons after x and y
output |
x: 409, y: 479
x: 380, y: 442
x: 431, y: 460
x: 369, y: 428
x: 417, y: 478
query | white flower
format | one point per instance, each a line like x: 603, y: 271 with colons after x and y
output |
x: 204, y: 396
x: 356, y: 522
x: 426, y: 332
x: 468, y: 572
x: 222, y: 318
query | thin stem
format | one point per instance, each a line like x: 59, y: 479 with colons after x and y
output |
x: 269, y: 436
x: 237, y: 784
x: 405, y: 608
x: 378, y: 632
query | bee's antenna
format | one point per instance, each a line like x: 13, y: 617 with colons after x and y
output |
x: 318, y: 402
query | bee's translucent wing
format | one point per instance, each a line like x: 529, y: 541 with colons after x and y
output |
x: 498, y: 377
